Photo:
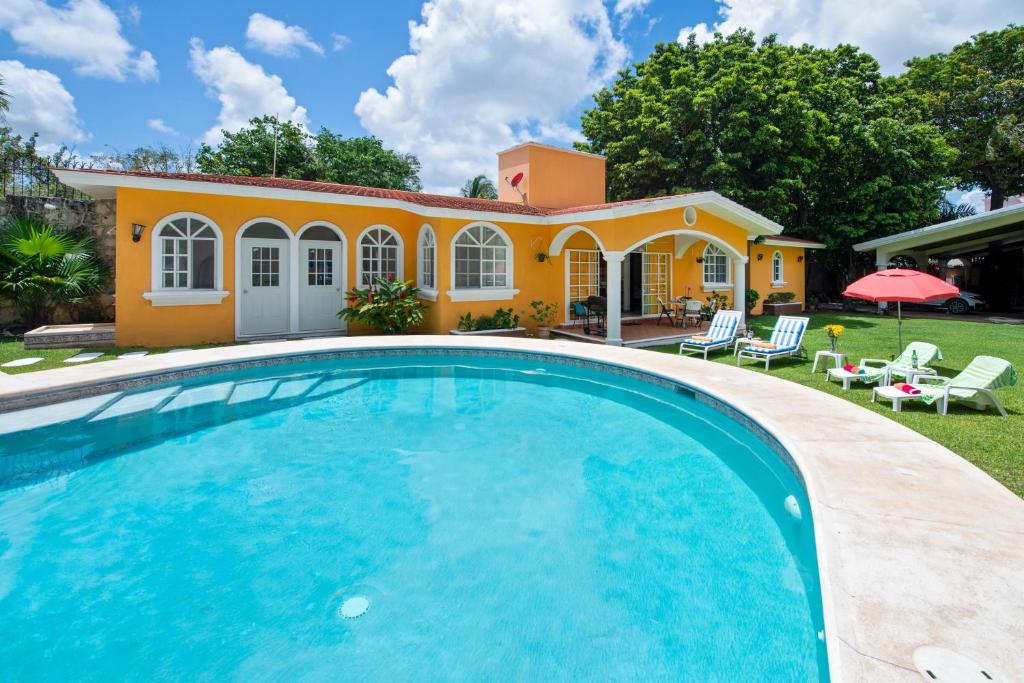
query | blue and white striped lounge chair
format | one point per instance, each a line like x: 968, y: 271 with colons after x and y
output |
x: 720, y: 334
x: 787, y: 338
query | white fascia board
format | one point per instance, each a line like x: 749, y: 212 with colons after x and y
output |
x: 948, y: 230
x: 103, y: 186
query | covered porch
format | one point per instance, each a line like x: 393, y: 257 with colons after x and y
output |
x: 630, y: 287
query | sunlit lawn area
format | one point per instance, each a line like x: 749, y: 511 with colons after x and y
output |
x: 12, y: 348
x: 992, y: 442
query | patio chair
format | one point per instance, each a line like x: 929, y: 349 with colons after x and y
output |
x: 692, y: 312
x: 975, y: 385
x: 720, y: 334
x: 926, y: 355
x: 786, y: 341
x: 666, y: 312
x: 580, y: 310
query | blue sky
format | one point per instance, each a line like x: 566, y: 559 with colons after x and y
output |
x: 470, y: 78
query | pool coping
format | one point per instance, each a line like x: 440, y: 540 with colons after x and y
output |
x: 938, y: 569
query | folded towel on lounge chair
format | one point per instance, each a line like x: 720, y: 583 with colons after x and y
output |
x: 764, y: 345
x: 700, y: 338
x: 907, y: 388
x: 849, y: 367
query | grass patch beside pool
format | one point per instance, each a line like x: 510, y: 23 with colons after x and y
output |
x: 993, y: 443
x: 12, y: 348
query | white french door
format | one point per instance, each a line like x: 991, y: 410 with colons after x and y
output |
x: 320, y: 286
x: 264, y: 286
x: 657, y: 280
x: 582, y: 277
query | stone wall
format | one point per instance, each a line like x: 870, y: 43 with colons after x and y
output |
x: 94, y: 218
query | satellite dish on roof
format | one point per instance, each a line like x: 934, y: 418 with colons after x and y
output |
x: 514, y: 182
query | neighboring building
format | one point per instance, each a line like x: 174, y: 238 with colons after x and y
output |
x: 234, y: 258
x: 983, y: 253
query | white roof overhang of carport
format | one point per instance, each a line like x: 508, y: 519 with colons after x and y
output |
x: 957, y: 237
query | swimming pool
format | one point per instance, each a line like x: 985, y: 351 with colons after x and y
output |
x: 405, y: 517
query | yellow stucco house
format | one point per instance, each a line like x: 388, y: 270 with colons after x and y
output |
x: 203, y: 258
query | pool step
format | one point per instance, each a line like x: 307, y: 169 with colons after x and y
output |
x: 70, y: 336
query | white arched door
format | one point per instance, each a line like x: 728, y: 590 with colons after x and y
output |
x: 321, y: 280
x: 264, y: 292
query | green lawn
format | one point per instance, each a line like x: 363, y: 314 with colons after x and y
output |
x: 993, y: 443
x: 12, y: 348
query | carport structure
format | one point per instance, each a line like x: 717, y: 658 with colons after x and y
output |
x: 983, y: 253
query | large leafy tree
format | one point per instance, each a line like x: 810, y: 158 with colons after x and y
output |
x: 976, y: 96
x: 815, y: 139
x: 479, y: 187
x: 326, y: 156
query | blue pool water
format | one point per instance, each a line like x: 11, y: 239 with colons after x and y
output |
x: 503, y: 519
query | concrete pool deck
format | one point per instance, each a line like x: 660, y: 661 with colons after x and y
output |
x: 917, y: 547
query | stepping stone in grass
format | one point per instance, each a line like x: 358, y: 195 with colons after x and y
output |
x: 20, y: 362
x: 83, y: 357
x: 134, y: 354
x: 178, y: 350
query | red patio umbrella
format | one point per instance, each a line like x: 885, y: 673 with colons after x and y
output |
x: 899, y: 285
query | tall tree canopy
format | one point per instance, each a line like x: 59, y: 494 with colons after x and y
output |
x: 325, y: 156
x: 815, y: 139
x: 976, y: 96
x: 479, y: 187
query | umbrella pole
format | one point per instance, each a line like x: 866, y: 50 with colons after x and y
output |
x: 899, y: 327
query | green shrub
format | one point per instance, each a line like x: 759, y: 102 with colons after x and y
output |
x: 501, y: 319
x: 41, y: 269
x: 780, y: 298
x: 752, y: 296
x: 389, y: 306
x: 545, y: 315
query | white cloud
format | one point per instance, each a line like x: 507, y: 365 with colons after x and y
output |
x: 339, y: 41
x: 86, y: 33
x: 160, y: 127
x: 627, y: 9
x: 976, y: 198
x: 482, y: 76
x: 39, y: 103
x: 277, y: 38
x: 890, y: 30
x: 243, y: 89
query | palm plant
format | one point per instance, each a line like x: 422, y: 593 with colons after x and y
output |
x: 479, y: 187
x: 41, y: 269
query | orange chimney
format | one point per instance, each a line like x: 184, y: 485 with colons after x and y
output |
x: 553, y: 177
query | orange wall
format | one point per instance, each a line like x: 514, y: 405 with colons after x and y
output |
x: 142, y: 324
x: 761, y: 272
x: 555, y: 178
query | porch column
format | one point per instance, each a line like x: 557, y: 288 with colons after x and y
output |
x: 739, y: 288
x: 613, y: 320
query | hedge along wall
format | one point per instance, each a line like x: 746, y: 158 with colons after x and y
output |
x: 94, y: 218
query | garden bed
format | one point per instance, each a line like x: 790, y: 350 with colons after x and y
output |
x: 506, y: 332
x: 788, y: 308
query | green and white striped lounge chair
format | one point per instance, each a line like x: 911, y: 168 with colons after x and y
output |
x: 720, y: 334
x: 787, y: 337
x: 926, y: 355
x: 975, y: 385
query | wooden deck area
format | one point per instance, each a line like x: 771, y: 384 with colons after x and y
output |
x: 636, y: 332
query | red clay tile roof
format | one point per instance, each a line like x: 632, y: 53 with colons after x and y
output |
x: 419, y: 198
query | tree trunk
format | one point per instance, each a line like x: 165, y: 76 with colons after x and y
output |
x: 998, y: 197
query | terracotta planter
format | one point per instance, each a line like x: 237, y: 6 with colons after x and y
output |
x: 789, y: 308
x: 543, y: 332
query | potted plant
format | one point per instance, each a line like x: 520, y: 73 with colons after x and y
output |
x: 545, y: 315
x: 388, y: 305
x: 834, y: 332
x: 781, y: 303
x: 751, y: 299
x: 502, y: 323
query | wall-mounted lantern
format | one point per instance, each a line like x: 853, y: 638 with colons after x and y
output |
x: 799, y: 259
x: 137, y: 230
x: 760, y: 257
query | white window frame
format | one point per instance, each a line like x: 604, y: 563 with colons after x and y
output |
x: 159, y: 295
x: 713, y: 251
x: 778, y: 263
x: 484, y: 293
x: 400, y: 254
x: 585, y: 266
x: 426, y: 254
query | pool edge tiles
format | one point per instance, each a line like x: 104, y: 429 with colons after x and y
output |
x: 916, y: 546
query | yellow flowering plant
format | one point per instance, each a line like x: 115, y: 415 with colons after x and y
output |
x: 834, y: 332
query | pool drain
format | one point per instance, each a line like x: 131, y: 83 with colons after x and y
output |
x: 940, y: 664
x: 354, y: 607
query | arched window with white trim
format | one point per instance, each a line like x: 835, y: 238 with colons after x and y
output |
x: 380, y: 254
x: 716, y: 267
x: 777, y: 271
x: 427, y: 259
x: 483, y: 258
x: 188, y: 254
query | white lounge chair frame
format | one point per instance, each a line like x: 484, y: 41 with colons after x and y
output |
x: 722, y: 343
x: 796, y: 349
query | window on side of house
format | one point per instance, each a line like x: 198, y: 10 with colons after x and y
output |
x: 716, y: 267
x: 483, y: 259
x: 188, y: 254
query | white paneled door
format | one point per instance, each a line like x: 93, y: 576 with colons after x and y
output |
x: 264, y: 287
x: 320, y: 286
x: 657, y: 280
